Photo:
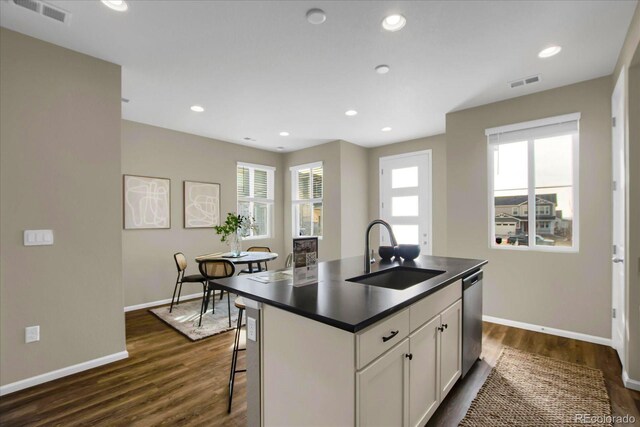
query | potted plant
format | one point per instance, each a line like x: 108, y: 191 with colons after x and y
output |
x: 235, y: 227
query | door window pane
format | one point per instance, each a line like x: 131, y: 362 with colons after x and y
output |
x: 404, y: 177
x: 404, y: 206
x: 317, y: 219
x: 510, y: 195
x: 406, y: 234
x: 554, y: 191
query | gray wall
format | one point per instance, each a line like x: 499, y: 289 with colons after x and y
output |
x: 354, y: 198
x: 60, y: 165
x: 148, y: 266
x: 438, y: 146
x: 630, y: 59
x: 570, y: 291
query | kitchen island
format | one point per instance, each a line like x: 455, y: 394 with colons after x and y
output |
x: 341, y: 352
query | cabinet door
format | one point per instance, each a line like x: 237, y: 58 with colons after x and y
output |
x: 450, y: 348
x: 383, y: 388
x: 423, y: 373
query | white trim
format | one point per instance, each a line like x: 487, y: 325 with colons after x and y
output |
x: 533, y: 124
x: 306, y: 166
x: 255, y: 166
x: 628, y: 382
x: 400, y: 156
x: 63, y: 372
x: 551, y: 331
x: 160, y: 302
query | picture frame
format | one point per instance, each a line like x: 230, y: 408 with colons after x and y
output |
x: 146, y: 202
x: 201, y: 204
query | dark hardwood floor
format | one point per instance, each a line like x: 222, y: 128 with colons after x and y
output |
x: 169, y: 380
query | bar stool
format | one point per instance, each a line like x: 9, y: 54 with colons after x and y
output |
x: 239, y: 303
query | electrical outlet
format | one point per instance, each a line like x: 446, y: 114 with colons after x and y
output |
x: 251, y: 328
x: 32, y: 334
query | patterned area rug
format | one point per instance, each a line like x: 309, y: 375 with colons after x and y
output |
x: 185, y: 316
x: 526, y: 389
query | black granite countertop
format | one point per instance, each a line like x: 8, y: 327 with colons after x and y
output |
x: 348, y: 305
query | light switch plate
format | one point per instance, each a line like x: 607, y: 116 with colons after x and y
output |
x: 38, y: 237
x: 251, y: 328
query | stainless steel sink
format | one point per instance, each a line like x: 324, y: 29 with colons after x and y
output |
x: 397, y: 278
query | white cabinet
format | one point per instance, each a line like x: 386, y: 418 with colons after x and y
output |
x: 450, y: 348
x: 405, y: 385
x: 424, y: 389
x: 383, y: 389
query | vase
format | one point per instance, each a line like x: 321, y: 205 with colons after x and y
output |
x: 235, y: 242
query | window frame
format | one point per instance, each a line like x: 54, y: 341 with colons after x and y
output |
x: 251, y: 199
x: 295, y: 220
x: 531, y: 196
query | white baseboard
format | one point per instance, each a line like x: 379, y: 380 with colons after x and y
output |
x: 628, y: 382
x: 551, y: 331
x: 59, y: 373
x: 161, y: 302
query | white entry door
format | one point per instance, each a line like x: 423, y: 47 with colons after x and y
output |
x: 405, y: 198
x: 619, y: 231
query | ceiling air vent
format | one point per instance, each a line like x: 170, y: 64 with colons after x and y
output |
x: 525, y: 81
x: 45, y: 9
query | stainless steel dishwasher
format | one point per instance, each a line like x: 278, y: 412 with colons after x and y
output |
x: 471, y: 320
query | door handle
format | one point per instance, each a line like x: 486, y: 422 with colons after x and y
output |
x: 391, y: 335
x: 617, y: 260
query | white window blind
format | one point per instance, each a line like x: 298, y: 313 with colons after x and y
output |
x: 307, y: 199
x: 255, y: 191
x: 535, y: 164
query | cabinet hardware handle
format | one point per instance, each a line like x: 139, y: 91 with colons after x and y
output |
x: 440, y: 328
x: 444, y: 325
x: 391, y: 335
x: 409, y: 356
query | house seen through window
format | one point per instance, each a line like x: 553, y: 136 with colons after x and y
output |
x: 255, y: 196
x: 535, y: 164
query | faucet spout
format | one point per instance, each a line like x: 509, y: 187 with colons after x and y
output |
x: 392, y: 237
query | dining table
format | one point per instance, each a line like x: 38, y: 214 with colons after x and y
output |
x: 254, y: 260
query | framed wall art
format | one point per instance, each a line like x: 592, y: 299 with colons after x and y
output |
x: 201, y: 204
x: 147, y: 202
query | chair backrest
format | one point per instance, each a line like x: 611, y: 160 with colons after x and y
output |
x: 181, y: 261
x: 217, y: 269
x: 258, y: 249
x: 289, y: 261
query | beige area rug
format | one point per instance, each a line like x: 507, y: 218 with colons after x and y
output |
x: 185, y: 316
x: 526, y: 389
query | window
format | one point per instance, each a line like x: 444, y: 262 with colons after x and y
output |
x: 536, y: 164
x: 255, y: 196
x: 306, y: 199
x: 514, y: 211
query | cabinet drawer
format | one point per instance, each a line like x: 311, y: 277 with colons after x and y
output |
x: 428, y: 307
x: 378, y: 338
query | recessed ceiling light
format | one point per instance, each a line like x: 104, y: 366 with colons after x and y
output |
x: 284, y: 133
x: 197, y: 108
x: 119, y: 5
x: 394, y: 22
x: 316, y: 16
x: 382, y: 69
x: 549, y: 52
x: 386, y: 129
x: 351, y: 113
x: 280, y: 148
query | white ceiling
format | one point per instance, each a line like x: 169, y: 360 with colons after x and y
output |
x: 259, y: 68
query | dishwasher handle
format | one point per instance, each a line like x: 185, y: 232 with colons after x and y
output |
x: 471, y: 279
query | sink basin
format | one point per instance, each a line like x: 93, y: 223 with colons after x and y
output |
x: 397, y: 278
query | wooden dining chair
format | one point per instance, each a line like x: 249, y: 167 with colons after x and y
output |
x: 181, y: 264
x: 256, y: 249
x: 211, y: 270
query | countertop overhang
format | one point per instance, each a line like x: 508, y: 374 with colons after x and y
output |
x: 347, y: 305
